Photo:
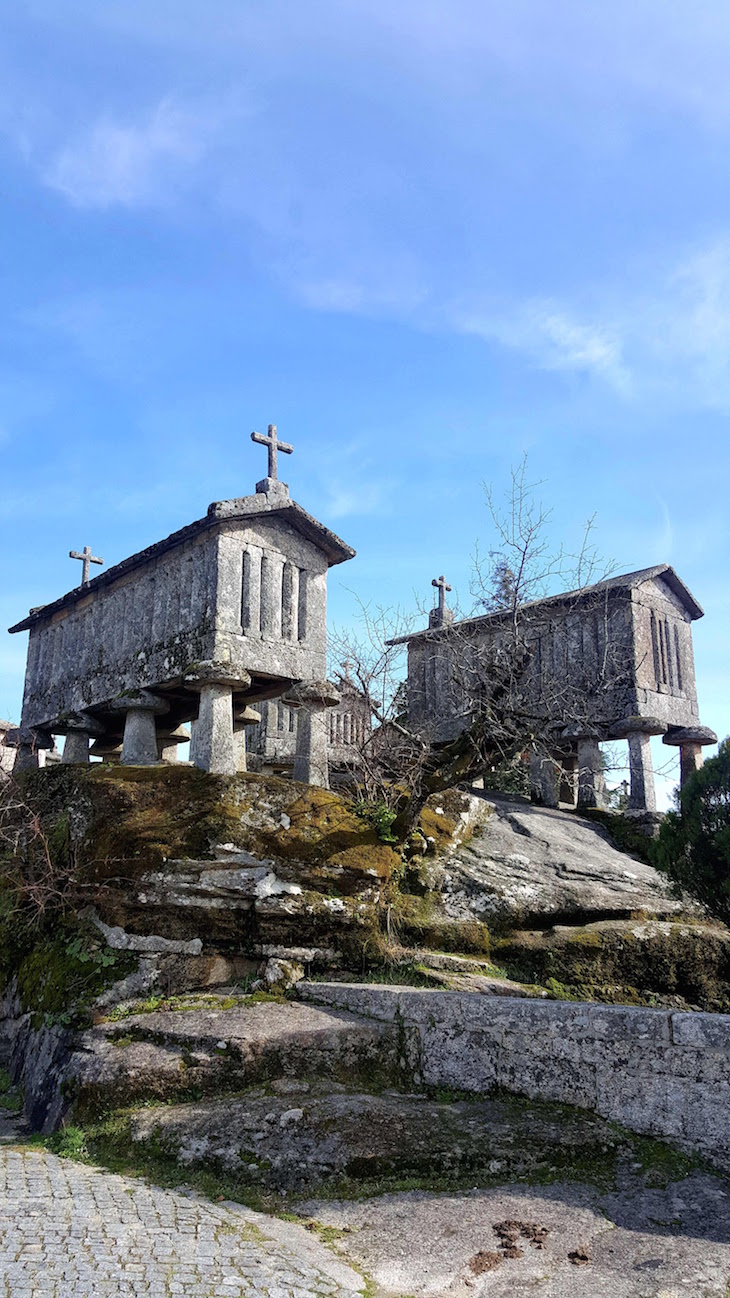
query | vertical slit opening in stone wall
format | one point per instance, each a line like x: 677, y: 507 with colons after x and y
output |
x: 655, y: 648
x: 302, y: 605
x: 662, y: 652
x: 287, y: 602
x: 246, y: 593
x: 668, y: 642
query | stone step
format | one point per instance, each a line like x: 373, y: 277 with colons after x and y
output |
x: 193, y: 1051
x: 321, y: 1135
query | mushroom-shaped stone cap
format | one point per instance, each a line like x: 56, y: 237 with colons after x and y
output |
x: 105, y: 748
x: 178, y: 735
x: 246, y: 716
x: 73, y: 722
x: 677, y: 735
x: 578, y: 730
x: 313, y: 693
x: 144, y: 700
x: 637, y: 726
x: 17, y: 736
x: 198, y: 675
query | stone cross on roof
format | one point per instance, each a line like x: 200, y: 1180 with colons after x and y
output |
x: 440, y: 615
x: 274, y: 445
x: 87, y: 558
x: 443, y: 586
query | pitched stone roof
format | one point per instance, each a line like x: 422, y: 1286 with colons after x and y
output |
x: 626, y: 581
x: 336, y: 550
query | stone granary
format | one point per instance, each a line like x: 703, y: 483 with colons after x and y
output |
x: 611, y: 661
x: 272, y: 743
x: 197, y: 628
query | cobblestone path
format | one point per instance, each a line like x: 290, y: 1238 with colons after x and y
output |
x: 69, y: 1231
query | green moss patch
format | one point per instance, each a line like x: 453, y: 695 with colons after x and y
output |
x: 630, y: 962
x: 59, y: 979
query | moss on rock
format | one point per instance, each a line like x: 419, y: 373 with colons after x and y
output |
x: 633, y: 962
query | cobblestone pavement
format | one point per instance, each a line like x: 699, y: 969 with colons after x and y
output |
x: 69, y: 1231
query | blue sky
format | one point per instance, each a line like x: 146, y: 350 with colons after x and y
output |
x: 420, y: 237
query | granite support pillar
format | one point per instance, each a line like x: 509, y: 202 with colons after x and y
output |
x: 642, y: 794
x: 690, y: 760
x: 167, y: 743
x: 543, y: 779
x: 139, y: 746
x: 213, y: 749
x: 76, y: 748
x: 241, y: 719
x: 140, y: 707
x: 311, y: 759
x: 26, y: 759
x: 30, y: 745
x: 239, y: 748
x: 638, y: 730
x: 80, y: 729
x: 690, y: 740
x: 591, y: 781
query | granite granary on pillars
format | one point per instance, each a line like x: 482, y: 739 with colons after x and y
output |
x: 611, y: 661
x: 273, y: 735
x: 196, y: 629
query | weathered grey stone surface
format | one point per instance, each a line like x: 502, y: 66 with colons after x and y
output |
x: 7, y: 754
x: 71, y: 1230
x: 204, y: 1043
x: 522, y: 864
x: 311, y: 756
x: 570, y: 1241
x: 245, y: 586
x: 618, y: 650
x: 272, y: 742
x: 316, y: 1135
x: 661, y: 1073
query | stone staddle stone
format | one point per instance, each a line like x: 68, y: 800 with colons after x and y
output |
x: 312, y: 694
x: 677, y: 735
x: 215, y: 749
x: 311, y: 761
x: 140, y: 707
x: 638, y: 726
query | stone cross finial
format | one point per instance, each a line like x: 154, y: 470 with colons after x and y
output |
x: 443, y: 586
x: 87, y: 558
x: 274, y: 445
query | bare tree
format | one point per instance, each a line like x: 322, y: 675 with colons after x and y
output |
x: 389, y: 758
x: 521, y: 676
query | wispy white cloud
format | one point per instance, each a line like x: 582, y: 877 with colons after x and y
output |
x: 665, y: 337
x: 136, y: 163
x: 553, y: 337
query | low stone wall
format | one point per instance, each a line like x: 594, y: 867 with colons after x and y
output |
x: 656, y: 1071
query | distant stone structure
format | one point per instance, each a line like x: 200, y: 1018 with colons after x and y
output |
x: 611, y: 661
x: 225, y: 613
x: 7, y: 754
x: 273, y: 741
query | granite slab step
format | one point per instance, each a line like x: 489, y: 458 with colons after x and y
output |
x: 307, y: 1135
x: 198, y: 1052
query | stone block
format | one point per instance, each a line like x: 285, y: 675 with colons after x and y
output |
x: 624, y: 1022
x: 466, y: 1062
x: 548, y: 1078
x: 701, y: 1031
